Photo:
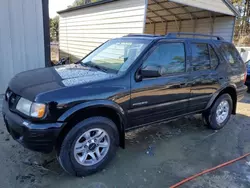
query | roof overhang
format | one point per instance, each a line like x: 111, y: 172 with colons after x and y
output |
x: 232, y: 7
x: 192, y: 8
x: 85, y: 6
x: 179, y: 10
x: 218, y: 6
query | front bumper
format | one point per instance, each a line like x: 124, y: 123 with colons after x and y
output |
x: 39, y: 137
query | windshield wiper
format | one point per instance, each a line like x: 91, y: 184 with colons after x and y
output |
x: 95, y: 66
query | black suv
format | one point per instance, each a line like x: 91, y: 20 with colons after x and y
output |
x: 82, y: 110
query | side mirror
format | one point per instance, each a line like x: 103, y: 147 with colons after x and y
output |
x: 152, y: 71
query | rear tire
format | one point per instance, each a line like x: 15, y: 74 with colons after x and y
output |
x: 89, y: 146
x: 219, y: 114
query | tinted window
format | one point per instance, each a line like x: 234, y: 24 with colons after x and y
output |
x: 214, y: 61
x: 169, y: 55
x: 231, y: 54
x: 200, y: 56
x: 200, y: 52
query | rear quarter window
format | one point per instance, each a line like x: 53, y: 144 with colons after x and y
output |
x: 231, y: 54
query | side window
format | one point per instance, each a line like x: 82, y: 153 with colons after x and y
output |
x: 168, y: 55
x: 231, y: 54
x: 200, y: 56
x: 214, y: 61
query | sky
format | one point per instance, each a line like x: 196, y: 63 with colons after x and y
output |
x: 56, y: 5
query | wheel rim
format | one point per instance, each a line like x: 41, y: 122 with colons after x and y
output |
x: 222, y: 111
x: 91, y: 147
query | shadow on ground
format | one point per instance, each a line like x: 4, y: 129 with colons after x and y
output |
x: 155, y: 156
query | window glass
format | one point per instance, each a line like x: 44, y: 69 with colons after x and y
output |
x: 200, y: 56
x: 214, y: 61
x: 231, y: 54
x: 117, y: 55
x: 171, y: 56
x: 200, y: 52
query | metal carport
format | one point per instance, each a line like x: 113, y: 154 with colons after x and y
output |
x: 215, y: 17
x: 85, y: 27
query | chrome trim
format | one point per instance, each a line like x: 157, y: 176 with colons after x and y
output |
x: 200, y: 97
x: 167, y: 103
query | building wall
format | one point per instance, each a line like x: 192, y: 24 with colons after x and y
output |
x: 244, y: 52
x: 83, y: 30
x: 222, y: 26
x: 21, y: 38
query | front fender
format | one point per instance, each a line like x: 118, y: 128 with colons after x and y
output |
x: 99, y: 103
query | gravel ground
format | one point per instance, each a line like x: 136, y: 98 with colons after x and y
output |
x: 155, y: 156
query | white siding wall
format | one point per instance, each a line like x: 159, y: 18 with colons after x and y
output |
x: 21, y: 38
x: 222, y: 26
x: 245, y: 54
x: 83, y: 30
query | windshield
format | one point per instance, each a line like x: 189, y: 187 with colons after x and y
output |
x: 116, y: 55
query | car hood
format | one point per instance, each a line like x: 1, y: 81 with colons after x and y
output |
x: 29, y: 84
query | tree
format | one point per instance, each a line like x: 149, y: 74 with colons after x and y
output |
x: 242, y: 30
x: 54, y: 29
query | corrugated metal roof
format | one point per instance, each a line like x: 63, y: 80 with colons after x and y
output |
x: 171, y: 10
x: 220, y: 6
x: 85, y: 6
x: 159, y: 10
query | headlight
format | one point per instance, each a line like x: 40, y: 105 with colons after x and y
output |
x: 36, y: 110
x: 24, y: 106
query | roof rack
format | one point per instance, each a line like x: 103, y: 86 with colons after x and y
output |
x: 142, y: 35
x: 194, y: 35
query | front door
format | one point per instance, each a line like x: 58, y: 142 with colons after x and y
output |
x: 156, y: 99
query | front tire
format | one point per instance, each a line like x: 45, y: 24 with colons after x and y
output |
x: 89, y: 146
x: 219, y: 114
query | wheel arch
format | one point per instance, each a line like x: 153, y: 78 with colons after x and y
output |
x: 82, y: 111
x: 231, y: 90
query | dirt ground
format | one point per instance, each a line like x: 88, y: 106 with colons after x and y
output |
x: 156, y: 156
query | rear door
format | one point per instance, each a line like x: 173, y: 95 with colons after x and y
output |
x: 203, y: 74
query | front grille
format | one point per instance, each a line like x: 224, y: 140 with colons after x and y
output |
x: 12, y: 99
x: 8, y: 94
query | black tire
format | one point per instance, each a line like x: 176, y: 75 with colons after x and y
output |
x: 65, y: 153
x: 210, y: 115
